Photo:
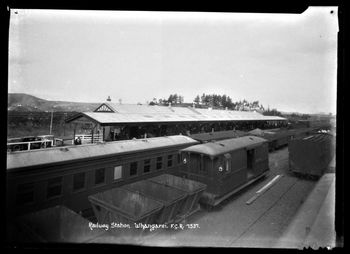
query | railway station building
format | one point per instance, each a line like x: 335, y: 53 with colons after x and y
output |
x: 112, y: 121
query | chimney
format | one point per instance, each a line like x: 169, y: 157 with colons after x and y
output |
x: 109, y: 99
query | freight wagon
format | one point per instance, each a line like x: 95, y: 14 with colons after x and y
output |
x: 311, y: 156
x: 225, y: 166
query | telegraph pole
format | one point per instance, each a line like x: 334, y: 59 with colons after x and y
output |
x: 51, y: 122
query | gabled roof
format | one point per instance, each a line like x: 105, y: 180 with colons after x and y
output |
x: 112, y: 113
x: 225, y: 146
x: 104, y: 108
x: 38, y: 157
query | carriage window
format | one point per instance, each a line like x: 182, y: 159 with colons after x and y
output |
x: 78, y: 181
x: 25, y: 193
x: 170, y: 160
x: 54, y: 187
x: 118, y: 172
x: 99, y: 176
x: 159, y: 163
x: 133, y: 168
x: 147, y: 166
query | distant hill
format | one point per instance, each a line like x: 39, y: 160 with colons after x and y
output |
x: 24, y: 102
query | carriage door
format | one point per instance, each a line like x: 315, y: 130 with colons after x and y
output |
x: 250, y: 162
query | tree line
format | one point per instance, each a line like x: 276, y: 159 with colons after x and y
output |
x: 218, y: 101
x: 173, y: 99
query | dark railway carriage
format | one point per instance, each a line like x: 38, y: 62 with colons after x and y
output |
x: 275, y: 138
x: 67, y: 176
x: 279, y: 138
x: 226, y: 166
x: 217, y: 135
x: 311, y: 156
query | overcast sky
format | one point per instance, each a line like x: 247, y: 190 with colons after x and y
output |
x: 286, y: 61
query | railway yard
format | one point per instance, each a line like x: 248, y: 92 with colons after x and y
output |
x: 291, y: 213
x: 174, y: 130
x: 270, y: 188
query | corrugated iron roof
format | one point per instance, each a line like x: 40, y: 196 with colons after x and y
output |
x: 225, y: 146
x: 55, y: 155
x: 125, y: 113
x: 317, y: 138
x: 217, y: 135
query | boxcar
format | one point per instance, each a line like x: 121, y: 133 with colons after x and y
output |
x: 225, y: 166
x: 67, y: 176
x: 312, y: 155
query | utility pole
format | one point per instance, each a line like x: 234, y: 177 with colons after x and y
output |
x: 64, y: 124
x: 51, y: 122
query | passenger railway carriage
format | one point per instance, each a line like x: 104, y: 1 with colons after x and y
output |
x: 68, y: 175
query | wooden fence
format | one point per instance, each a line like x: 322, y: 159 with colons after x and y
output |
x: 20, y: 146
x: 89, y: 139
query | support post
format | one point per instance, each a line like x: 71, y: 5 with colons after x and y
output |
x: 75, y: 126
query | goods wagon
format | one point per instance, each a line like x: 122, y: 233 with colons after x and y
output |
x: 193, y: 189
x: 162, y: 199
x: 311, y: 156
x: 225, y: 166
x: 119, y: 205
x: 52, y: 225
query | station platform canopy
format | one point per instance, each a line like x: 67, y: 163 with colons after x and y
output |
x: 114, y: 114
